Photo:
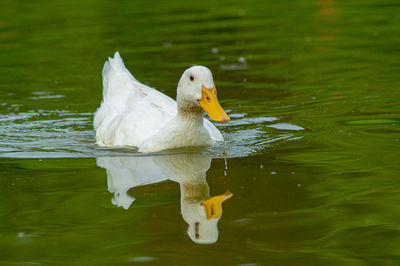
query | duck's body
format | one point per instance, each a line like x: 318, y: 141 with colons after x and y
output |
x: 133, y: 114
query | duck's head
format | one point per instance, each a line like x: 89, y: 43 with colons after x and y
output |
x: 196, y: 88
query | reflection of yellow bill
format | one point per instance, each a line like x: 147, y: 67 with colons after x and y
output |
x: 213, y: 206
x: 210, y: 104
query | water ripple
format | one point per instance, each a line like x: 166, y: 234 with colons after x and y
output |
x: 54, y: 134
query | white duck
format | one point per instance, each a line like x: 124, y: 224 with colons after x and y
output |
x: 133, y: 114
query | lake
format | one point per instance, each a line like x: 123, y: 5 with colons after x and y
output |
x: 309, y: 173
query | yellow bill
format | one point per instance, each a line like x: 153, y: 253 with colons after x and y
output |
x: 213, y: 206
x: 210, y: 104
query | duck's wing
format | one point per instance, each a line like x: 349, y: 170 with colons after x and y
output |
x: 130, y: 111
x: 119, y: 84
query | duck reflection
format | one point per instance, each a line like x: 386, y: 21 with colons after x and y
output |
x: 200, y: 211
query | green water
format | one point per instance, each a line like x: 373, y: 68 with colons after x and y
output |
x: 312, y: 151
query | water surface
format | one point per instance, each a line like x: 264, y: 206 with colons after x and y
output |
x: 311, y: 153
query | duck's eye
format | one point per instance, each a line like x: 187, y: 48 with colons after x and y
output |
x: 191, y: 77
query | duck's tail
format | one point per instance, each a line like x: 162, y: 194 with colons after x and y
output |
x: 114, y: 71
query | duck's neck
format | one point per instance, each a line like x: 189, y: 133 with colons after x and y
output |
x: 190, y: 113
x: 194, y: 192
